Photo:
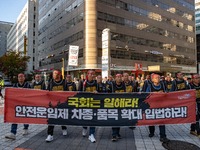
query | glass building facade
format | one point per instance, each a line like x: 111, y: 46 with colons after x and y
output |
x: 156, y: 32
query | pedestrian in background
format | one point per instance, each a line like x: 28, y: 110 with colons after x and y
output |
x: 1, y: 86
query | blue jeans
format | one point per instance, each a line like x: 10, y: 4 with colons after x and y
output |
x: 115, y: 131
x: 161, y: 128
x: 92, y: 130
x: 14, y: 128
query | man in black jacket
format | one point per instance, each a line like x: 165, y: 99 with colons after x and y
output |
x: 70, y: 85
x: 195, y: 84
x: 89, y: 85
x: 179, y: 84
x: 101, y: 87
x: 117, y: 87
x: 21, y: 84
x: 56, y: 84
x: 38, y: 84
x: 168, y: 83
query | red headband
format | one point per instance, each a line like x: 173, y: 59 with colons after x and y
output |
x: 155, y: 75
x: 168, y: 77
x: 130, y: 76
x: 118, y: 75
x: 91, y: 71
x: 125, y: 74
x: 110, y: 76
x: 162, y: 76
x: 194, y: 76
x: 57, y: 72
x: 148, y: 76
x: 37, y: 75
x: 21, y: 75
x: 152, y: 74
x: 68, y: 75
x: 98, y: 76
x: 179, y: 74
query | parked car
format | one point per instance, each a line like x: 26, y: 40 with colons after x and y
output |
x: 7, y: 82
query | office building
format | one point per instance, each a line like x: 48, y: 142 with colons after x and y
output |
x: 23, y: 35
x: 4, y: 29
x: 158, y: 34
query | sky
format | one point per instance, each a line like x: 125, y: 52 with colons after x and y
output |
x: 10, y: 9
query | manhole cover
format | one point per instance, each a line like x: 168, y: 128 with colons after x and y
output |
x: 180, y: 145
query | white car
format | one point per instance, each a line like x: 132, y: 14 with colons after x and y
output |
x: 7, y: 82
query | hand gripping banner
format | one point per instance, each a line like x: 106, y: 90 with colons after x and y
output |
x: 88, y: 109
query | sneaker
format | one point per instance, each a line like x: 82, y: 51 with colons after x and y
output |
x: 114, y: 138
x: 49, y: 138
x: 193, y: 133
x: 84, y: 132
x: 151, y: 134
x: 25, y: 132
x: 92, y: 139
x: 64, y: 132
x: 119, y: 136
x: 164, y: 140
x: 11, y: 136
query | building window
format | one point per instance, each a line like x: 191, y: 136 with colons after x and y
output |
x: 34, y: 33
x: 33, y: 41
x: 34, y: 25
x: 34, y: 8
x: 34, y: 16
x: 33, y: 58
x: 34, y: 50
x: 33, y: 67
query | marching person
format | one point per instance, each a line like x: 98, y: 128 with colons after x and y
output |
x: 21, y: 84
x: 130, y: 87
x: 168, y: 83
x: 70, y: 85
x: 156, y: 86
x: 195, y: 84
x: 76, y: 82
x: 105, y: 79
x: 1, y: 86
x: 117, y: 87
x: 56, y: 84
x: 141, y: 84
x: 101, y: 87
x: 109, y: 81
x: 188, y: 81
x: 89, y: 85
x: 130, y: 78
x: 38, y: 84
x: 146, y: 83
x: 163, y: 81
x: 179, y: 84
